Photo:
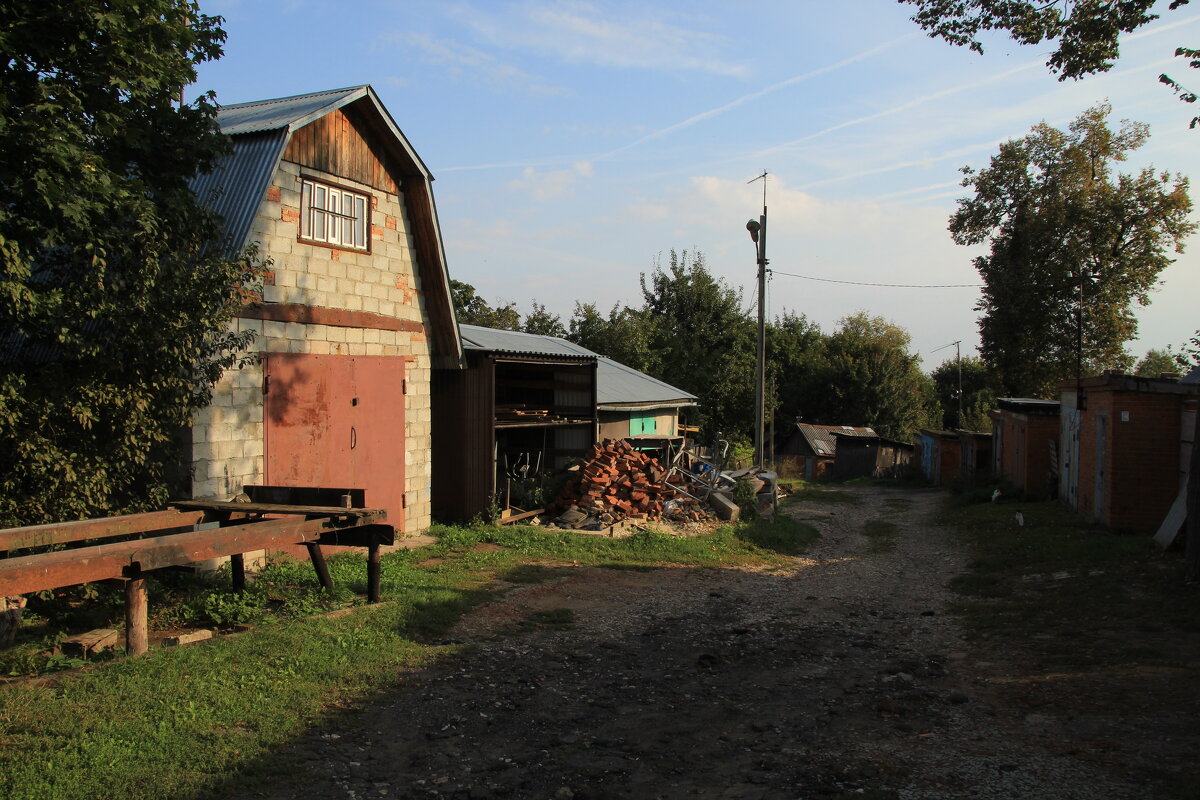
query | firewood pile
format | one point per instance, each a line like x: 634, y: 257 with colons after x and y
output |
x: 618, y: 482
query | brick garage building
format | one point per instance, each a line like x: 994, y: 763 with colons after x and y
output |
x: 355, y: 313
x: 1025, y: 445
x: 1121, y: 448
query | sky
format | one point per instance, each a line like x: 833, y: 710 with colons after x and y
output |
x: 575, y: 144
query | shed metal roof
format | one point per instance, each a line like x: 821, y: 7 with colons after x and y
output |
x: 617, y: 386
x: 822, y: 439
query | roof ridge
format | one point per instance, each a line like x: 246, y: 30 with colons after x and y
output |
x: 272, y: 100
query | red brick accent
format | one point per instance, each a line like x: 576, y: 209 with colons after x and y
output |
x: 335, y: 317
x: 390, y: 223
x: 274, y: 195
x: 376, y: 232
x: 268, y: 279
x: 289, y: 215
x: 336, y: 255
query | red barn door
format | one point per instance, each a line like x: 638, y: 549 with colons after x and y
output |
x: 337, y: 421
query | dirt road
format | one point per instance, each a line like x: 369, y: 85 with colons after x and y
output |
x: 837, y: 675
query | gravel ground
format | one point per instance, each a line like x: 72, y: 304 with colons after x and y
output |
x: 837, y: 675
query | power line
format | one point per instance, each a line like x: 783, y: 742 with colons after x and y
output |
x: 891, y: 285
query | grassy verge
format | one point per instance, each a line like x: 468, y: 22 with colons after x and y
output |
x: 177, y: 722
x: 1074, y: 596
x: 802, y: 491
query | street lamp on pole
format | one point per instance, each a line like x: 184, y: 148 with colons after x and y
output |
x: 758, y: 234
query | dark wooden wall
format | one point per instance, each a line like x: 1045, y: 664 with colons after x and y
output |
x: 335, y: 144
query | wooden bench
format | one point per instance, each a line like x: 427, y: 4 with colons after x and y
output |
x: 169, y: 538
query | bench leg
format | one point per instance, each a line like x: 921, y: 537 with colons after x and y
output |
x: 319, y: 566
x: 374, y: 572
x: 137, y: 627
x: 237, y: 572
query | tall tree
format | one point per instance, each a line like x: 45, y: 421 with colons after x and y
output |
x: 795, y: 348
x: 543, y: 323
x: 114, y: 301
x: 1060, y: 223
x: 623, y: 336
x: 871, y: 379
x: 1086, y: 33
x: 471, y: 309
x: 978, y: 397
x: 703, y: 340
x: 1155, y: 363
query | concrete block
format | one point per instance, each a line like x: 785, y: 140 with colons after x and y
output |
x: 85, y: 644
x: 724, y: 507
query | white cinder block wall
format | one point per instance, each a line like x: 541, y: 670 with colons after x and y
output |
x: 227, y: 437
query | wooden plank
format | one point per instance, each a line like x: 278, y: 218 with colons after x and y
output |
x: 277, y: 508
x: 104, y: 528
x: 317, y: 557
x: 121, y: 559
x: 521, y: 516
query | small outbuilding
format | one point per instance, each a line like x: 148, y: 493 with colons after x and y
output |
x: 808, y: 451
x: 1025, y: 445
x: 525, y: 407
x: 1123, y: 450
x: 869, y: 457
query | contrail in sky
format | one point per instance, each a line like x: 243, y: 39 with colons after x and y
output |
x: 712, y: 112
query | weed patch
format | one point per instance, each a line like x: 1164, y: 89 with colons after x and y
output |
x: 1075, y: 595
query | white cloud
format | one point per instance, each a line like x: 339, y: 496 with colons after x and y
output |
x: 553, y: 184
x: 628, y: 37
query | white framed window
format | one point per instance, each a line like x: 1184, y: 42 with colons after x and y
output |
x: 334, y: 216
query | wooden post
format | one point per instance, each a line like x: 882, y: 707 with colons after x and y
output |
x: 237, y: 572
x: 1192, y: 545
x: 374, y: 572
x: 319, y: 566
x: 137, y: 629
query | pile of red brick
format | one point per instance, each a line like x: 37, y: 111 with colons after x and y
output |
x: 621, y: 482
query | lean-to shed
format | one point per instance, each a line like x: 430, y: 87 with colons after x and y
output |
x: 808, y: 451
x: 355, y: 312
x: 528, y: 404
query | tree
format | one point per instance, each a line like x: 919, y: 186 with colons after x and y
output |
x: 978, y: 397
x: 115, y: 296
x: 543, y: 323
x: 871, y: 379
x: 795, y: 348
x: 1087, y: 33
x: 471, y: 309
x: 702, y: 340
x: 1061, y: 224
x: 624, y: 336
x: 1156, y: 362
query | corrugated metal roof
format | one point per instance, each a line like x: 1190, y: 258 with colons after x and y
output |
x: 235, y: 187
x: 616, y: 384
x: 282, y: 112
x: 821, y: 437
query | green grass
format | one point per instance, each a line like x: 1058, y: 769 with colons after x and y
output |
x: 1074, y: 595
x: 802, y: 491
x: 179, y: 721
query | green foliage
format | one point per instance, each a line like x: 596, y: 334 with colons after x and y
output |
x: 978, y: 396
x: 115, y: 297
x: 471, y: 309
x: 1156, y: 362
x: 543, y: 323
x: 871, y: 379
x: 1087, y: 33
x: 1055, y: 215
x: 746, y: 499
x: 795, y: 347
x: 624, y: 336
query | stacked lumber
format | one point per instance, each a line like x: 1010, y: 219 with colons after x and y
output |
x: 521, y: 413
x: 618, y: 482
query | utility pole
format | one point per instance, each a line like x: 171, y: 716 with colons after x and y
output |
x: 758, y: 233
x: 958, y: 361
